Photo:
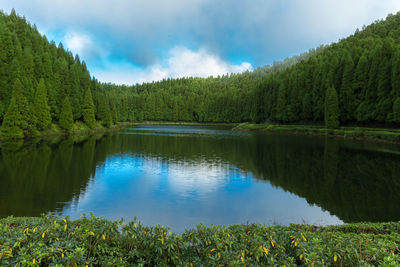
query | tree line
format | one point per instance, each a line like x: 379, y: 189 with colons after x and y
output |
x: 43, y: 86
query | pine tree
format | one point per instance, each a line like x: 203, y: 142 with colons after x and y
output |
x: 360, y: 79
x: 396, y: 110
x: 346, y: 102
x: 10, y: 128
x: 281, y: 104
x: 88, y: 110
x: 66, y: 117
x: 306, y: 107
x: 396, y: 72
x: 28, y: 120
x: 41, y: 107
x: 103, y: 112
x: 331, y: 108
x: 6, y: 57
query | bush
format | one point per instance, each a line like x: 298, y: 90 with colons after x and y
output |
x: 94, y: 241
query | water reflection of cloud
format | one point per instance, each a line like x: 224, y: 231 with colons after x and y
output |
x: 183, y: 193
x: 201, y: 178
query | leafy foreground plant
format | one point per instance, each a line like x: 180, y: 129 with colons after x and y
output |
x: 98, y: 242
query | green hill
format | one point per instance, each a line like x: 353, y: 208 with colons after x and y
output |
x: 47, y: 83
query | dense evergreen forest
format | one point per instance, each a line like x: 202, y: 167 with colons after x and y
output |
x: 44, y: 86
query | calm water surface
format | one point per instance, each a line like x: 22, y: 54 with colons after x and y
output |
x: 179, y: 176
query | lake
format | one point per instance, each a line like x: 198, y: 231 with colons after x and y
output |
x: 179, y: 176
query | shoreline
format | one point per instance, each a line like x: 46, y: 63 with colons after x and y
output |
x: 365, y: 134
x: 81, y: 129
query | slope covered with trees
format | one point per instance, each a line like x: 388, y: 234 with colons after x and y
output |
x: 41, y: 84
x: 363, y: 69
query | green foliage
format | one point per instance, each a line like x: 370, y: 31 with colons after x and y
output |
x: 396, y: 110
x: 94, y: 241
x: 104, y: 113
x: 10, y: 128
x: 27, y: 120
x: 331, y: 108
x: 66, y: 117
x: 364, y: 68
x: 88, y: 110
x: 41, y: 108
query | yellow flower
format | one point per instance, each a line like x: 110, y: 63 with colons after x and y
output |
x: 103, y: 236
x: 304, y: 238
x: 335, y: 258
x: 43, y: 234
x: 135, y: 225
x: 265, y: 250
x: 34, y: 261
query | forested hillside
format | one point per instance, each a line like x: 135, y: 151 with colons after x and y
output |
x: 44, y: 86
x: 37, y: 78
x: 363, y: 70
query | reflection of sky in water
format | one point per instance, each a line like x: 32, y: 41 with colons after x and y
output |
x: 181, y: 194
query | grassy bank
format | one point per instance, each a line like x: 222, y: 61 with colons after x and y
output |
x: 79, y: 128
x: 184, y: 123
x: 360, y: 133
x: 97, y: 242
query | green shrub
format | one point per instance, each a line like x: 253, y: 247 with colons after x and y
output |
x: 98, y: 242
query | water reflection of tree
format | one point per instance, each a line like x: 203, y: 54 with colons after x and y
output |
x: 354, y: 183
x: 347, y: 180
x: 40, y: 177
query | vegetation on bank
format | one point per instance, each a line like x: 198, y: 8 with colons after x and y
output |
x: 362, y: 133
x: 98, y: 242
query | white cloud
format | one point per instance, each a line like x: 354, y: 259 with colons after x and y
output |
x: 79, y: 43
x: 186, y: 63
x: 83, y: 45
x: 141, y: 32
x: 181, y: 62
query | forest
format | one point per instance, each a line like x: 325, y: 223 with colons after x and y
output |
x: 355, y: 81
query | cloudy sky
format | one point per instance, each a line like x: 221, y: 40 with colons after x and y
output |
x: 133, y: 41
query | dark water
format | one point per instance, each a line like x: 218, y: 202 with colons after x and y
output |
x: 179, y: 176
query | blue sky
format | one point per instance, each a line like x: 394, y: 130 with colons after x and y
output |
x: 132, y: 41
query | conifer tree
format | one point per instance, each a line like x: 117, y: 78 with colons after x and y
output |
x: 88, y: 110
x: 104, y: 113
x: 346, y: 102
x: 66, y: 117
x: 10, y: 128
x: 28, y: 120
x: 41, y: 107
x: 396, y: 72
x: 306, y: 107
x: 396, y: 110
x: 281, y: 104
x: 331, y: 108
x: 360, y: 79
